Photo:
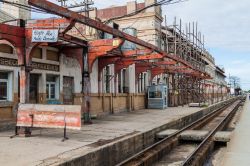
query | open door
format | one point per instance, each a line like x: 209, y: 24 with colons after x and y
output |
x: 33, y: 96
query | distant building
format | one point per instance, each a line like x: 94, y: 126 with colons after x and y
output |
x: 220, y: 76
x: 10, y: 12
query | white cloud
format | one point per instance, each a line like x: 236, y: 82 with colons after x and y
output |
x: 224, y: 23
x: 238, y: 62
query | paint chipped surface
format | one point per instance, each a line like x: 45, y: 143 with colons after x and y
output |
x: 49, y: 116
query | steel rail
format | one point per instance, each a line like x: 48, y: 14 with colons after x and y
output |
x: 193, y: 157
x: 137, y: 158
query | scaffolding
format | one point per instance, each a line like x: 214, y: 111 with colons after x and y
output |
x: 187, y: 44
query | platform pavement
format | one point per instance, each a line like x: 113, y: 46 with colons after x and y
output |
x: 46, y: 143
x: 238, y: 151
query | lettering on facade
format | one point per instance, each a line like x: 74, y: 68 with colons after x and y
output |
x: 34, y: 65
x: 45, y: 35
x: 8, y: 62
x: 44, y: 66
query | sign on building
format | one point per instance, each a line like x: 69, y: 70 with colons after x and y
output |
x: 45, y: 35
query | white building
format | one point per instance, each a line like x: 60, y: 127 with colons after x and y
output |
x: 10, y: 12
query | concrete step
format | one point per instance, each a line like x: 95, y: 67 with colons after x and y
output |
x: 197, y: 104
x: 196, y: 135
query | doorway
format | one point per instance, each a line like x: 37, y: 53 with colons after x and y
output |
x: 33, y: 92
x: 68, y: 89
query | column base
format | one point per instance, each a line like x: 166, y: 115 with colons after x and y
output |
x: 87, y: 118
x: 24, y: 132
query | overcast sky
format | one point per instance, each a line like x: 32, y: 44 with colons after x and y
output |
x: 225, y: 24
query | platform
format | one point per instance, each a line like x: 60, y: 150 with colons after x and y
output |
x: 238, y: 151
x: 45, y: 146
x: 47, y: 143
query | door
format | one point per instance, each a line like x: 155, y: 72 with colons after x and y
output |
x: 68, y: 88
x: 33, y: 96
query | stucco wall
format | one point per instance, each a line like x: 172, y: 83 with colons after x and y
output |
x: 104, y: 104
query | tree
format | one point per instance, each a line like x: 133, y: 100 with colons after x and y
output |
x: 234, y: 82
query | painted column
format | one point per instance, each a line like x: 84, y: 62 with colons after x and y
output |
x: 24, y: 85
x: 86, y: 89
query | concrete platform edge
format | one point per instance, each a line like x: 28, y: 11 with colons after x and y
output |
x: 114, y: 152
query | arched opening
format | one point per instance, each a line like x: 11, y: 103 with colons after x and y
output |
x: 6, y: 48
x: 122, y: 81
x: 106, y: 80
x: 9, y: 86
x: 142, y: 82
x: 37, y: 53
x: 160, y: 79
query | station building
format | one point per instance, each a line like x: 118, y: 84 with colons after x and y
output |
x: 54, y: 79
x: 56, y: 73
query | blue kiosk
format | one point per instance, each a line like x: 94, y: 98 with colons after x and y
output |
x: 157, y: 97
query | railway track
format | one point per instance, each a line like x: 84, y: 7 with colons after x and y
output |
x: 155, y: 152
x: 201, y: 152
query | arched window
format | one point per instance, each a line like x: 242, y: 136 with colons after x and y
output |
x: 37, y: 53
x: 5, y: 48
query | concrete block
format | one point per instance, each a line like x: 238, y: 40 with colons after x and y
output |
x: 194, y: 135
x: 165, y: 133
x: 197, y: 104
x: 223, y: 136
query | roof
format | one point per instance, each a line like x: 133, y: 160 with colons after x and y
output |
x: 115, y: 11
x: 220, y: 70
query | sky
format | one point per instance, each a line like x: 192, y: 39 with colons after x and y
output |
x: 225, y: 24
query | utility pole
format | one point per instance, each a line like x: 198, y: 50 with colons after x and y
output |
x: 63, y: 2
x: 85, y: 6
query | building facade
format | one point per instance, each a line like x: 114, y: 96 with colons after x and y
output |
x: 56, y: 69
x: 11, y: 12
x: 55, y: 78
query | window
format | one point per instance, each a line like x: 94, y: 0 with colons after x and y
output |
x: 37, y: 53
x: 52, y: 55
x: 107, y: 77
x: 3, y: 86
x: 124, y: 87
x: 155, y: 92
x: 6, y: 49
x: 51, y: 86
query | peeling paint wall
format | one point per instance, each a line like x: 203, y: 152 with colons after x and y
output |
x: 94, y: 78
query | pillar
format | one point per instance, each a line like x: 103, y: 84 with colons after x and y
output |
x: 24, y: 97
x: 24, y: 85
x: 86, y: 89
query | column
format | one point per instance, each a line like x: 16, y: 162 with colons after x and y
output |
x: 24, y: 85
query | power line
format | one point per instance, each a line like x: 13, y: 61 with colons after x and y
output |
x: 84, y: 5
x: 162, y: 2
x: 24, y: 7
